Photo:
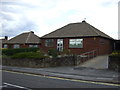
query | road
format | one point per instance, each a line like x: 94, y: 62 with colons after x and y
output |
x: 30, y: 81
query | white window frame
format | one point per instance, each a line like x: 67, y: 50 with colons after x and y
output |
x: 73, y: 43
x: 30, y: 46
x: 16, y: 46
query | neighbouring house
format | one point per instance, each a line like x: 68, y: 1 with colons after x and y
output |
x: 78, y: 38
x: 24, y: 40
x: 4, y: 42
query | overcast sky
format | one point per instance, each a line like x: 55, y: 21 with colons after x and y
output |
x: 44, y: 16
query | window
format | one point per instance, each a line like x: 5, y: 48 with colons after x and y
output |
x: 5, y: 46
x: 16, y: 46
x: 33, y: 46
x: 76, y: 43
x: 49, y: 42
x: 60, y: 44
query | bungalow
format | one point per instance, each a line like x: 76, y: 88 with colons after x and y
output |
x: 24, y: 40
x: 4, y: 42
x: 78, y: 38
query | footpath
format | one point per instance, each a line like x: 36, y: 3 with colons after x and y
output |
x: 78, y: 73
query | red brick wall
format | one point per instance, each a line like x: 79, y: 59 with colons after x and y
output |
x: 44, y: 48
x: 103, y: 46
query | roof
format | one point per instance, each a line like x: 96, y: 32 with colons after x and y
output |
x: 28, y: 37
x: 82, y: 29
x: 4, y: 41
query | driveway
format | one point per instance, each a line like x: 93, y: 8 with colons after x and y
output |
x: 99, y: 62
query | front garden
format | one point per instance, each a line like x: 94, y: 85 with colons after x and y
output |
x: 34, y: 57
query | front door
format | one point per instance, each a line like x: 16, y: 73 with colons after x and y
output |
x: 60, y: 44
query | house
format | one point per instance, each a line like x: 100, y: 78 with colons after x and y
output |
x: 78, y: 38
x: 4, y: 42
x: 24, y: 40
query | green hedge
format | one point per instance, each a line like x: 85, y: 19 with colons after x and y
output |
x: 53, y: 52
x: 28, y: 55
x: 115, y: 54
x: 10, y: 52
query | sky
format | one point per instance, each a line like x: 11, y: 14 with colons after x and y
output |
x: 45, y: 16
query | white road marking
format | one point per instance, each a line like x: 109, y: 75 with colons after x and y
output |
x: 3, y: 86
x: 13, y: 85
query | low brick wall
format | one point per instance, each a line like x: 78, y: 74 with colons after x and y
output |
x: 114, y: 63
x: 48, y: 62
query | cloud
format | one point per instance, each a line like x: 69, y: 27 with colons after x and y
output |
x: 44, y: 16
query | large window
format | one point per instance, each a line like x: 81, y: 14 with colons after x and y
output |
x: 35, y: 46
x: 76, y: 43
x: 16, y: 46
x: 49, y: 42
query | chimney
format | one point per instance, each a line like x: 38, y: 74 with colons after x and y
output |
x: 83, y: 21
x: 6, y: 37
x: 31, y: 31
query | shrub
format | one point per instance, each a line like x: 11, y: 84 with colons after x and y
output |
x: 53, y: 52
x: 10, y: 52
x: 115, y: 54
x: 28, y: 55
x: 66, y: 52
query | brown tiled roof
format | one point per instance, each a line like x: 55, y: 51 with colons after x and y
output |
x: 82, y: 29
x: 28, y: 37
x: 4, y: 41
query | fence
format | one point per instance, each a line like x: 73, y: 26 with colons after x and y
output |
x: 86, y: 56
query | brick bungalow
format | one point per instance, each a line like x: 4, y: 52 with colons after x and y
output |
x: 4, y: 42
x: 24, y: 40
x: 78, y: 38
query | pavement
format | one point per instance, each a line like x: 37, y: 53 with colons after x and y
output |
x: 78, y: 73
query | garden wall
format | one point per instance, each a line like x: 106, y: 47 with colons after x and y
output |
x: 47, y: 62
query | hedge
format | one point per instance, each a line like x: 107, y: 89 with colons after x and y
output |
x: 10, y: 52
x: 115, y: 54
x: 28, y: 55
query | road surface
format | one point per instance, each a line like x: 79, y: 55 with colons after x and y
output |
x: 31, y: 81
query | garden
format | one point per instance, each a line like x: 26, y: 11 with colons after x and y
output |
x: 35, y: 57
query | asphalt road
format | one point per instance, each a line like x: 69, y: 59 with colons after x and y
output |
x: 31, y: 81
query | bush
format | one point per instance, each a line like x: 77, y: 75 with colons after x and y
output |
x: 66, y: 52
x: 28, y: 55
x: 53, y: 52
x: 10, y: 52
x: 115, y: 54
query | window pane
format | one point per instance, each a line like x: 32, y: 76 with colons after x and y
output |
x: 33, y: 46
x: 5, y: 46
x: 76, y: 43
x: 16, y: 46
x: 49, y: 42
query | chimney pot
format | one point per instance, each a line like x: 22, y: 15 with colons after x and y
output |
x: 6, y: 37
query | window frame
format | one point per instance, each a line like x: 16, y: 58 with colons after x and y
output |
x: 16, y: 46
x: 5, y: 46
x: 76, y: 42
x: 49, y: 42
x: 33, y: 46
